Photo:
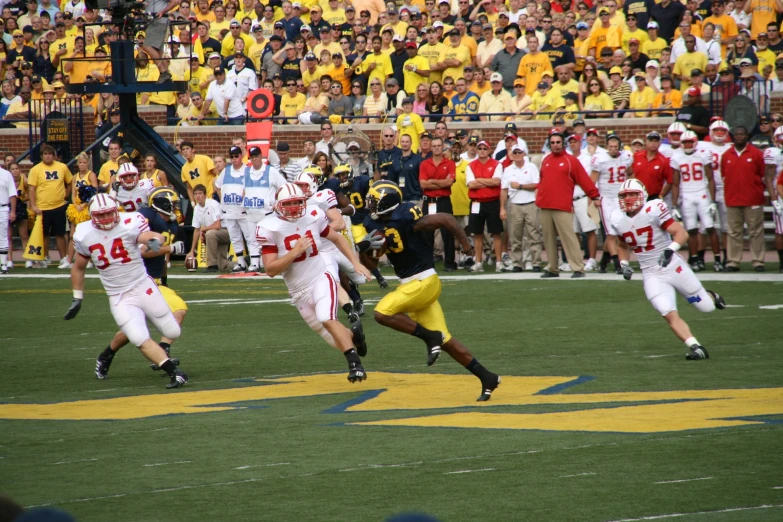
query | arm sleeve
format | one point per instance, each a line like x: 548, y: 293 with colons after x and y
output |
x: 219, y: 180
x: 266, y: 240
x: 136, y: 224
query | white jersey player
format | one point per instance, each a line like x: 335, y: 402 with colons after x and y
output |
x: 231, y: 186
x: 693, y: 180
x: 773, y: 157
x: 112, y: 244
x: 674, y: 133
x: 8, y: 197
x: 609, y: 170
x: 718, y: 144
x: 292, y: 240
x: 647, y: 229
x: 133, y: 192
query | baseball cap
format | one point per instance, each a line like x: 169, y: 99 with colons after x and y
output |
x: 461, y: 132
x: 282, y: 146
x: 484, y: 143
x: 255, y: 151
x: 336, y: 27
x: 495, y: 77
x: 511, y: 127
x: 745, y: 61
x: 666, y: 77
x: 437, y: 24
x: 510, y: 136
x: 606, y: 51
x: 234, y: 23
x: 275, y: 38
x: 350, y: 8
x: 578, y: 121
x: 615, y: 70
x: 473, y: 140
x: 696, y: 72
x: 603, y: 12
x: 424, y: 135
x: 114, y: 112
x: 18, y: 32
x: 354, y: 145
x: 543, y: 85
x: 640, y: 75
x: 409, y: 99
x: 305, y: 27
x: 582, y: 25
x: 572, y: 137
x: 219, y: 70
x: 653, y: 63
x: 35, y: 79
x: 571, y: 96
x: 652, y: 25
x: 503, y: 14
x: 454, y: 32
x: 637, y: 140
x: 310, y: 56
x: 633, y: 41
x: 593, y: 130
x: 58, y: 85
x: 694, y: 91
x: 559, y: 120
x: 397, y: 38
x: 654, y: 135
x: 411, y: 45
x: 509, y: 35
x: 279, y: 25
x: 214, y: 55
x: 234, y: 150
x: 393, y: 10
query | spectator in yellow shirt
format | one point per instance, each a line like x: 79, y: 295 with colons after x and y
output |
x: 533, y: 66
x: 291, y: 102
x: 49, y: 183
x: 377, y: 66
x: 454, y: 58
x: 642, y: 98
x: 415, y: 70
x: 197, y: 170
x: 409, y: 124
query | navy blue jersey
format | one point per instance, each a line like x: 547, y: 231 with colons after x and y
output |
x: 408, y: 251
x: 156, y: 266
x: 356, y: 193
x: 332, y: 184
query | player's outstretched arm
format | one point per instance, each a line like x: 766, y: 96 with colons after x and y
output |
x: 336, y: 220
x: 77, y: 284
x: 447, y: 221
x: 274, y: 265
x: 345, y: 248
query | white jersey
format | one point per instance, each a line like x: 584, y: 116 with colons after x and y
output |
x: 231, y: 184
x: 586, y: 159
x: 276, y: 235
x: 137, y: 198
x: 7, y: 187
x: 611, y: 172
x: 667, y: 150
x: 645, y: 232
x: 774, y: 156
x: 693, y: 183
x: 114, y: 252
x: 324, y: 200
x: 716, y: 152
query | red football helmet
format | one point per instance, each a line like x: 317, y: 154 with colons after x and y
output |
x: 103, y: 212
x: 290, y: 202
x: 632, y: 195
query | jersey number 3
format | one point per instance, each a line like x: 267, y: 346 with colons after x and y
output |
x: 630, y: 239
x: 117, y: 253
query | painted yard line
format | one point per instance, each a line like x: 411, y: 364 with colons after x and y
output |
x: 778, y: 487
x: 241, y: 302
x: 202, y: 301
x: 663, y: 355
x: 73, y: 461
x: 683, y: 480
x: 469, y: 471
x: 771, y: 307
x: 590, y: 473
x: 167, y: 463
x: 679, y: 515
x: 382, y: 466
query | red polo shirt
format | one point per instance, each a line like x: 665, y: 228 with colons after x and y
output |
x: 444, y: 170
x: 652, y: 172
x: 559, y: 174
x: 743, y: 176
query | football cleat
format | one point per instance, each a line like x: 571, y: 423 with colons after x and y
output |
x: 717, y: 266
x: 487, y: 388
x: 720, y: 303
x: 353, y: 316
x: 238, y: 269
x: 358, y: 307
x: 178, y: 380
x: 382, y: 282
x: 3, y: 269
x: 358, y: 338
x: 356, y: 373
x: 253, y: 268
x: 697, y: 352
x: 695, y: 266
x: 434, y: 345
x: 101, y: 367
x: 700, y: 263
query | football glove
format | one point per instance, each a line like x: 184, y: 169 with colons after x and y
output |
x: 178, y: 247
x: 712, y: 208
x: 375, y: 241
x: 665, y: 258
x: 154, y: 244
x: 676, y: 214
x: 778, y: 207
x: 627, y: 270
x: 76, y: 305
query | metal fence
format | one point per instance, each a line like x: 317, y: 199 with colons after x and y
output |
x: 58, y: 122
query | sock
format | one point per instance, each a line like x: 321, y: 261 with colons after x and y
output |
x: 164, y: 280
x: 107, y: 354
x: 717, y: 259
x: 241, y: 259
x: 691, y: 259
x: 690, y: 342
x: 422, y: 333
x: 780, y: 256
x: 725, y: 255
x: 254, y: 260
x: 605, y: 259
x: 353, y: 293
x: 616, y: 261
x: 700, y: 255
x: 168, y: 367
x: 477, y: 369
x: 348, y: 308
x: 376, y: 273
x: 3, y: 259
x: 165, y: 346
x: 353, y: 358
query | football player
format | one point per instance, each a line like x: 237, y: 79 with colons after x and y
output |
x: 413, y: 307
x: 132, y: 192
x: 718, y: 144
x: 113, y: 246
x: 773, y: 158
x: 292, y: 240
x: 161, y: 217
x: 693, y: 179
x: 609, y: 171
x: 654, y: 236
x: 674, y: 132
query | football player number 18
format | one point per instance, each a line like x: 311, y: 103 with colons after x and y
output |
x: 620, y: 175
x: 630, y: 238
x: 117, y: 253
x: 289, y: 244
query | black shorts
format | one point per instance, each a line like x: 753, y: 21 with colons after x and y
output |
x: 489, y: 214
x: 54, y: 221
x: 21, y: 212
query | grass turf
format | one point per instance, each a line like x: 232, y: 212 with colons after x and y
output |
x: 299, y: 459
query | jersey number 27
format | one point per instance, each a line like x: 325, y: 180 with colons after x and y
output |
x: 630, y: 239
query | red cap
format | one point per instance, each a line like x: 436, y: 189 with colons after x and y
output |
x: 412, y: 45
x: 510, y: 135
x: 593, y: 131
x: 633, y: 40
x: 483, y: 142
x: 694, y: 91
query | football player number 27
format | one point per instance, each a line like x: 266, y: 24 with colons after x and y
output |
x: 630, y: 239
x: 289, y: 244
x: 117, y: 252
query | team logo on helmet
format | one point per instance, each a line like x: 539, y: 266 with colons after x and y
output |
x: 382, y: 198
x: 344, y: 172
x: 689, y: 141
x: 165, y: 201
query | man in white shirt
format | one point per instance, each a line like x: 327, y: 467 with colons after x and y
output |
x: 245, y: 79
x: 207, y: 227
x: 518, y: 206
x: 224, y: 95
x: 583, y: 222
x: 510, y: 128
x: 289, y: 168
x: 678, y: 46
x: 7, y: 215
x: 230, y: 186
x: 262, y: 180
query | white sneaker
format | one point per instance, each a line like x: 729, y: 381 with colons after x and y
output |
x: 500, y: 267
x: 168, y: 265
x: 591, y: 265
x: 47, y: 260
x: 508, y: 264
x: 565, y: 267
x: 28, y: 264
x: 3, y: 269
x: 252, y: 268
x: 10, y: 264
x: 64, y: 264
x: 43, y: 264
x: 528, y: 266
x: 477, y: 267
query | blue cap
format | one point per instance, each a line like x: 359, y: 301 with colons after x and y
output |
x: 582, y: 25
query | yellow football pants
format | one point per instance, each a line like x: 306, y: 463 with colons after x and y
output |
x: 419, y: 300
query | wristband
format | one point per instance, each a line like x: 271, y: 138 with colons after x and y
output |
x: 78, y: 294
x: 674, y: 246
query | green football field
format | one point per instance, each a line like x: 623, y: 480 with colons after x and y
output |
x: 599, y: 417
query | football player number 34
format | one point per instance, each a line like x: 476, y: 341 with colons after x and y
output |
x: 117, y: 252
x: 289, y: 244
x: 645, y: 234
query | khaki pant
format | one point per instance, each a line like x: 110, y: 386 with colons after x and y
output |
x: 737, y: 217
x: 558, y: 223
x: 524, y: 233
x: 217, y: 248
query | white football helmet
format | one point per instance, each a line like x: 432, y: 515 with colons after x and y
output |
x: 290, y: 202
x: 778, y: 137
x: 689, y: 141
x: 674, y: 132
x: 719, y: 131
x: 632, y: 195
x: 104, y: 212
x: 307, y: 181
x: 128, y: 176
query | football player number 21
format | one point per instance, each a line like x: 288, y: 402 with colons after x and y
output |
x: 289, y: 244
x: 630, y: 239
x: 116, y: 251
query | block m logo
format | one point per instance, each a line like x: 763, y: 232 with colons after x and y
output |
x: 34, y: 250
x: 194, y: 174
x: 51, y: 175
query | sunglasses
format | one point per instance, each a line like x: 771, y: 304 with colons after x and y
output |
x: 375, y: 84
x: 388, y: 135
x: 356, y: 86
x: 290, y: 85
x: 236, y: 156
x: 336, y: 87
x: 452, y: 136
x: 777, y: 120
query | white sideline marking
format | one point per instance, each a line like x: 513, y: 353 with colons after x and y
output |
x: 166, y: 463
x: 735, y: 306
x: 238, y: 302
x: 771, y: 307
x: 73, y: 461
x: 381, y: 466
x: 778, y: 487
x: 663, y: 355
x: 198, y: 486
x: 683, y: 480
x: 469, y: 471
x: 578, y: 475
x: 678, y: 515
x: 200, y: 301
x: 264, y: 465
